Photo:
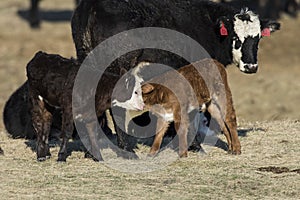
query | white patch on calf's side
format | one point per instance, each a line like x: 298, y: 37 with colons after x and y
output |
x: 169, y: 117
x: 40, y: 98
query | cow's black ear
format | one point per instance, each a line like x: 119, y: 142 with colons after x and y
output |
x: 272, y: 25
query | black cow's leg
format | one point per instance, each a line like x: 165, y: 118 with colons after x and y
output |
x: 94, y: 150
x: 126, y: 143
x: 34, y: 18
x: 41, y: 119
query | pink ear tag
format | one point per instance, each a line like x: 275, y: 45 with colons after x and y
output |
x: 223, y: 30
x: 266, y: 32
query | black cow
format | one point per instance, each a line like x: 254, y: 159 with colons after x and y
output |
x: 268, y: 8
x: 228, y: 35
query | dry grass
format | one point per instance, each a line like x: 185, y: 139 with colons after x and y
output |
x: 214, y: 175
x: 273, y: 93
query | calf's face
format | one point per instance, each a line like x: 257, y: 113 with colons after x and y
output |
x: 247, y: 30
x: 128, y: 92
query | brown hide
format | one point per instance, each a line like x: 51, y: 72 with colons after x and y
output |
x: 208, y: 81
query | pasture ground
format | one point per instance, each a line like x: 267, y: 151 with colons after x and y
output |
x: 267, y: 106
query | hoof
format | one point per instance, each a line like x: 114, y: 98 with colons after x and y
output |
x: 183, y: 155
x: 62, y: 157
x: 59, y: 160
x: 196, y: 149
x: 236, y: 152
x: 98, y: 158
x: 41, y: 159
x: 151, y: 155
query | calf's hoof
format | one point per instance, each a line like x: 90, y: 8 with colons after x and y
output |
x: 41, y: 159
x: 62, y: 157
x: 152, y: 153
x: 234, y: 152
x: 183, y: 154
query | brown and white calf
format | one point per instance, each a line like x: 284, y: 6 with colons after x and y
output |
x: 50, y: 84
x: 209, y: 87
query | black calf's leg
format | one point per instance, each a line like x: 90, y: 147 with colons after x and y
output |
x: 67, y: 131
x: 41, y: 119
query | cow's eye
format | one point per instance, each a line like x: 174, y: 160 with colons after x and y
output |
x: 135, y: 92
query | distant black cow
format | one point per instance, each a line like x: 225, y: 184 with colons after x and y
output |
x: 228, y: 35
x: 267, y: 8
x: 34, y: 17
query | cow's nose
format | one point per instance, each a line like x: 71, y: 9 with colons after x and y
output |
x: 251, y: 68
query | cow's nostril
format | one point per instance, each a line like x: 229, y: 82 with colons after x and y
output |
x: 251, y: 68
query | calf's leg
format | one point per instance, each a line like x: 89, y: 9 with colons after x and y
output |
x: 163, y: 127
x: 181, y: 126
x: 228, y: 126
x: 67, y: 131
x: 41, y: 119
x: 231, y: 127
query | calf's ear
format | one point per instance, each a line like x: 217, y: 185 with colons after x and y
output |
x: 268, y: 26
x: 147, y: 88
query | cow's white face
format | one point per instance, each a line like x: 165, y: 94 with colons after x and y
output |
x: 247, y: 33
x: 128, y: 91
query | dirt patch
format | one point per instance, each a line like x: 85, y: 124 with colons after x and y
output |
x: 277, y: 170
